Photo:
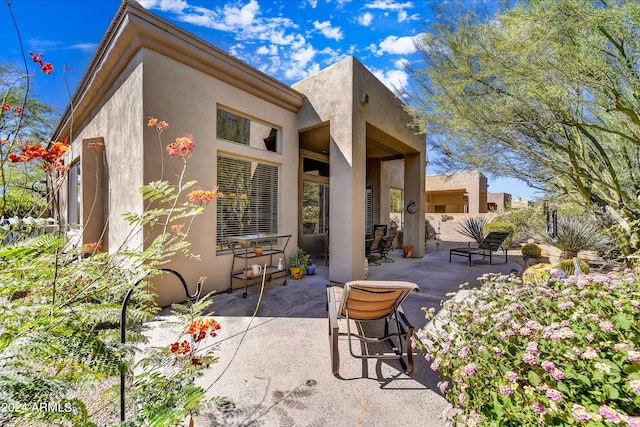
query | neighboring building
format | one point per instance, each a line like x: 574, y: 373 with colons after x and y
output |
x: 340, y: 129
x: 463, y: 192
x: 519, y: 203
x: 497, y: 202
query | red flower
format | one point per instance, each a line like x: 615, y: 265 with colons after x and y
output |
x: 182, y: 147
x: 44, y: 66
x: 6, y: 107
x: 18, y: 109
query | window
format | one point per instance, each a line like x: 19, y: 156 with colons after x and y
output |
x: 315, y: 207
x: 247, y: 199
x: 368, y: 211
x: 235, y: 128
x: 74, y: 193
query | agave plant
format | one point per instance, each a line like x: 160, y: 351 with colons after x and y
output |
x: 473, y: 227
x: 578, y: 233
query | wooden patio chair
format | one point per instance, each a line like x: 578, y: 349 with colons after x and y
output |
x: 369, y: 301
x: 491, y: 243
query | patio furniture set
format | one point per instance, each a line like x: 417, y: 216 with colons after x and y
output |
x: 377, y: 247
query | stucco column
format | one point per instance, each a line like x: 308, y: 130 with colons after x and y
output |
x: 347, y: 154
x: 414, y: 177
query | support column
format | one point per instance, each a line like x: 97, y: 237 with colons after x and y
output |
x: 347, y: 156
x: 414, y: 202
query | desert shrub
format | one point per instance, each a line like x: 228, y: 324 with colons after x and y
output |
x: 559, y: 352
x: 473, y: 227
x: 527, y: 223
x: 578, y: 233
x: 532, y: 250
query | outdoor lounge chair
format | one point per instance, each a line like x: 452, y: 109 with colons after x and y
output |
x: 491, y: 243
x: 367, y: 301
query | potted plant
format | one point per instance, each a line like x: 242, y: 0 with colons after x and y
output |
x: 298, y: 262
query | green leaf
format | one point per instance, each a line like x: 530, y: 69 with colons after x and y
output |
x: 534, y: 379
x: 622, y: 321
x: 611, y: 391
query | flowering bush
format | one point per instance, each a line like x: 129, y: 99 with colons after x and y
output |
x: 560, y: 352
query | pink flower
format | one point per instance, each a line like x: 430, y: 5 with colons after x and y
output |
x: 511, y: 376
x: 633, y: 356
x: 443, y: 385
x: 557, y: 374
x: 462, y: 398
x: 548, y: 366
x: 610, y: 414
x: 589, y: 354
x: 529, y: 358
x: 505, y: 390
x: 469, y: 369
x: 602, y: 367
x: 553, y: 394
x: 580, y: 412
x: 633, y: 421
x: 635, y: 385
x: 606, y: 326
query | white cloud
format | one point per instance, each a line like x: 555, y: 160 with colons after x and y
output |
x: 86, y: 47
x: 327, y: 30
x: 395, y: 79
x: 365, y: 19
x: 397, y: 45
x: 242, y: 17
x: 388, y: 5
x: 164, y: 5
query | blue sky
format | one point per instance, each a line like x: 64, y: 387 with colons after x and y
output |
x: 286, y: 39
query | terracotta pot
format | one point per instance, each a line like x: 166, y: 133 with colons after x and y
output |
x: 258, y: 250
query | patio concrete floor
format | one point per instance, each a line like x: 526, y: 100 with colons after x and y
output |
x: 274, y: 369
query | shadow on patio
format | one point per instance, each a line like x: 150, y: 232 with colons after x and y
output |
x: 275, y: 368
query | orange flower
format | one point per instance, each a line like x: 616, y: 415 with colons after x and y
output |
x: 177, y: 228
x: 50, y: 156
x: 159, y: 125
x: 92, y: 247
x: 182, y: 147
x: 200, y: 196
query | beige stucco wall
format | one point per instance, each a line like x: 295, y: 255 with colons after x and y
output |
x: 336, y: 95
x: 187, y: 99
x: 474, y: 184
x: 119, y: 122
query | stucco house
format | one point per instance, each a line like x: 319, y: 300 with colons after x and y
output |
x: 462, y: 192
x: 339, y: 135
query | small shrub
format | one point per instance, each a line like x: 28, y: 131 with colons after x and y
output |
x: 567, y: 266
x: 562, y: 352
x: 532, y: 250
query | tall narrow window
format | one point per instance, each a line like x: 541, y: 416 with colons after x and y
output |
x: 235, y: 128
x: 247, y: 199
x: 73, y: 190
